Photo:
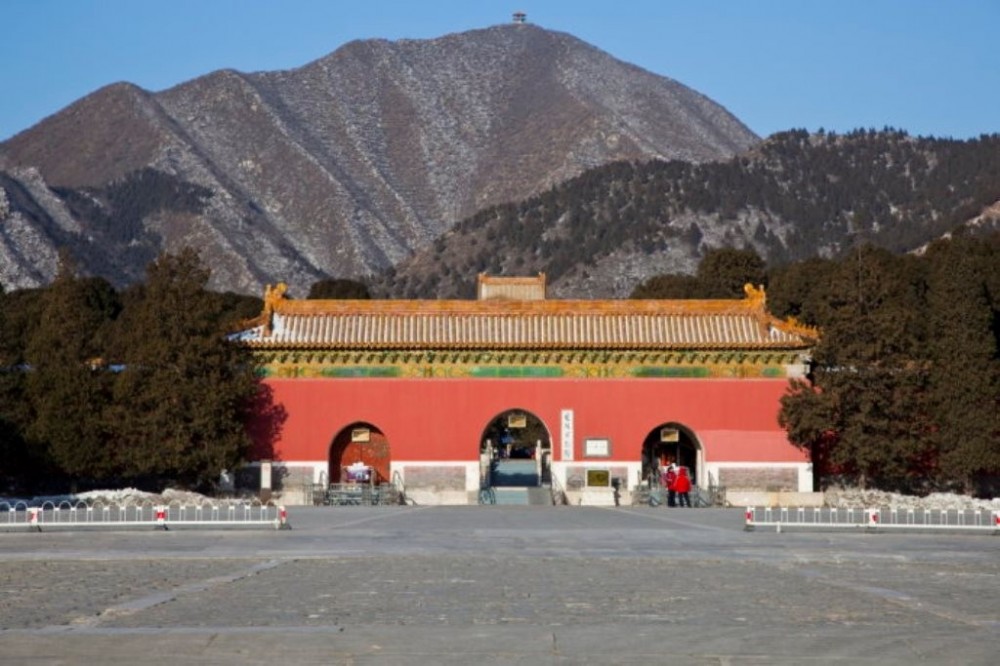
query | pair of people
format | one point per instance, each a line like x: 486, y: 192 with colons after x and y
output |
x: 678, y: 483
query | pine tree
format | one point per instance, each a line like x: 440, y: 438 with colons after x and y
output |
x: 965, y: 367
x: 12, y: 449
x: 861, y: 414
x: 339, y: 289
x: 796, y: 290
x: 724, y: 272
x: 184, y: 395
x: 66, y: 386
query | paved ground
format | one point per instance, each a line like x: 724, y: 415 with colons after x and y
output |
x: 499, y: 585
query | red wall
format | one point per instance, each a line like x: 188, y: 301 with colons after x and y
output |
x: 443, y: 419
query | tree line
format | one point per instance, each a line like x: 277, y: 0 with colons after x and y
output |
x: 904, y: 392
x: 136, y: 388
x: 142, y: 386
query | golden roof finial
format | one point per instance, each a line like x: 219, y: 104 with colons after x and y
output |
x: 273, y: 296
x: 755, y: 295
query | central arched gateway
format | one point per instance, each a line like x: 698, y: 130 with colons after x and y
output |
x: 515, y: 450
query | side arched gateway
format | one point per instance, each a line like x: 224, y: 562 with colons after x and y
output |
x: 360, y: 445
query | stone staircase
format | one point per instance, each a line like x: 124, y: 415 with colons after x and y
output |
x: 538, y: 496
x: 515, y: 482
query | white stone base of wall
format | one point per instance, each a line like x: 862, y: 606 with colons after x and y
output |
x: 743, y: 498
x: 439, y: 497
x: 801, y: 473
x: 592, y: 497
x: 459, y: 483
x: 300, y: 496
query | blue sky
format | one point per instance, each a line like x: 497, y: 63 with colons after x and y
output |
x: 930, y: 67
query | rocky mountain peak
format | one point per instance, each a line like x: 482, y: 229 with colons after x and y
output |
x: 347, y: 165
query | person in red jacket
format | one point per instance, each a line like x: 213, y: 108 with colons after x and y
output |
x: 682, y: 486
x: 669, y: 482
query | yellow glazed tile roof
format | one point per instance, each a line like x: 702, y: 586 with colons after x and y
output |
x: 522, y: 324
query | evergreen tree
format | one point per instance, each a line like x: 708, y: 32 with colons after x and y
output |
x: 235, y: 309
x: 183, y: 398
x: 723, y: 272
x: 964, y: 364
x: 339, y: 289
x: 12, y: 449
x: 797, y: 290
x: 66, y: 386
x: 862, y: 414
x: 19, y: 313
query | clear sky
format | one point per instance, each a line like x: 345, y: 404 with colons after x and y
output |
x: 930, y: 67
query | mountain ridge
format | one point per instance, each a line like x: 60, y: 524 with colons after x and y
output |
x: 347, y: 165
x: 792, y: 197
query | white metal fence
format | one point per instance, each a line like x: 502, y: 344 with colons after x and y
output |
x: 66, y: 514
x: 874, y: 519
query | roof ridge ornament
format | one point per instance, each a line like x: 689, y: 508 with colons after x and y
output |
x: 273, y: 296
x: 755, y: 295
x: 796, y: 327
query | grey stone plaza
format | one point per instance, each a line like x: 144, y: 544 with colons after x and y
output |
x: 499, y: 585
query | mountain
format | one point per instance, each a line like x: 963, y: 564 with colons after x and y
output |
x: 341, y: 168
x: 792, y: 197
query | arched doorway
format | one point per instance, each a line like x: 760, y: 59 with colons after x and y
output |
x: 671, y: 442
x: 515, y: 450
x: 359, y: 445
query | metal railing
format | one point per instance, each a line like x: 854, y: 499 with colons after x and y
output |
x: 487, y: 494
x: 69, y: 514
x: 362, y: 494
x: 558, y: 493
x: 708, y: 497
x: 397, y: 482
x: 874, y: 519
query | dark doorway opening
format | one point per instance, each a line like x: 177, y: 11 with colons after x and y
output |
x: 669, y: 443
x: 515, y: 451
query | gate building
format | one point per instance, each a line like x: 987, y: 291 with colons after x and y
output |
x: 598, y: 394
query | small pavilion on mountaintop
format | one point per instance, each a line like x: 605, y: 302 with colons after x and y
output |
x: 599, y: 393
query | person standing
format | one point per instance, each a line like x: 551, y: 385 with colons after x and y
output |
x: 670, y: 481
x: 683, y: 487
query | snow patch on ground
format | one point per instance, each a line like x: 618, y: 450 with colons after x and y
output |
x: 854, y: 498
x: 121, y: 496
